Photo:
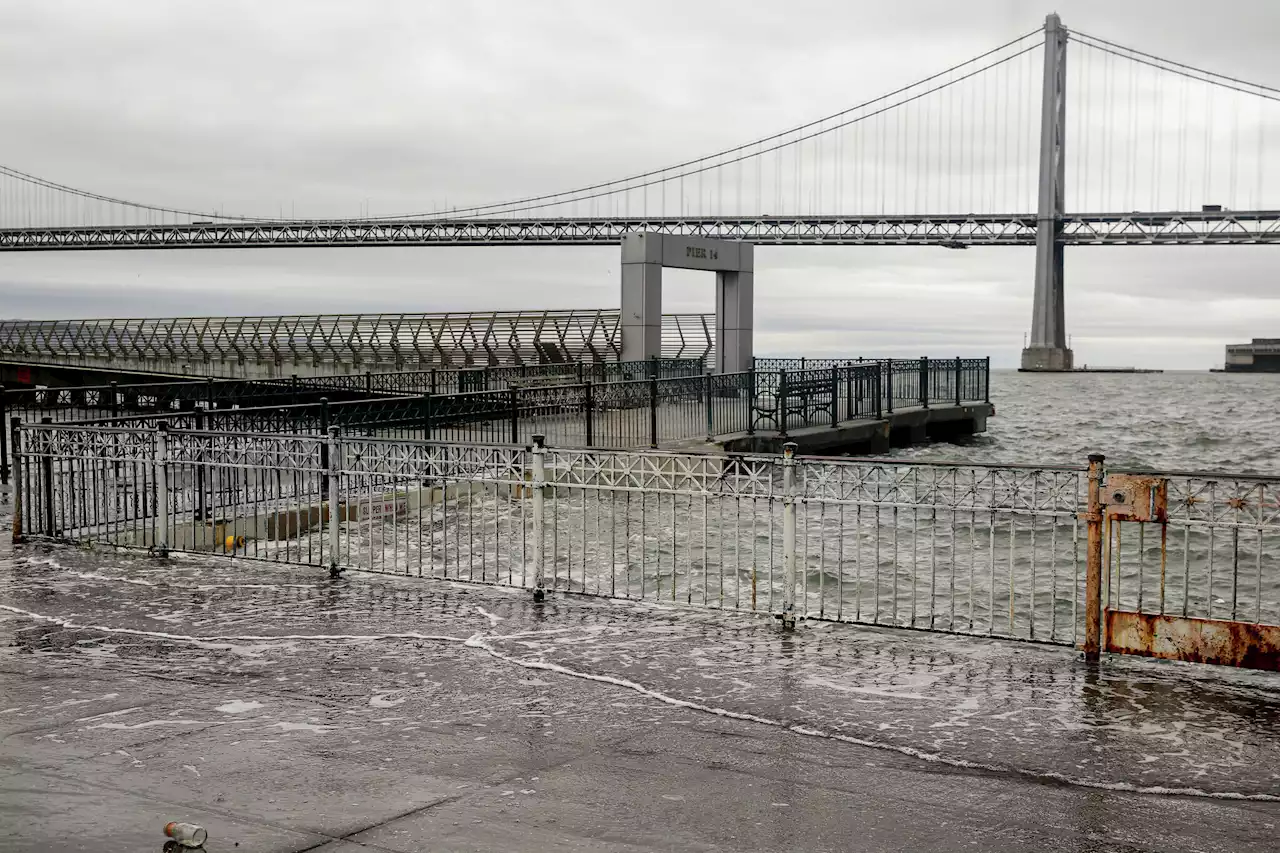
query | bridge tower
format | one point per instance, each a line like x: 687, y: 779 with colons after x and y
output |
x: 1048, y: 349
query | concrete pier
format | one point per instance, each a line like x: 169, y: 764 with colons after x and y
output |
x: 902, y: 428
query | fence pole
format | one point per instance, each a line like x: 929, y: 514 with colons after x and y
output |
x: 15, y: 433
x: 653, y: 367
x: 515, y: 414
x: 958, y: 378
x: 324, y: 448
x: 539, y: 451
x: 293, y: 389
x: 888, y: 385
x: 877, y: 384
x: 781, y: 402
x: 46, y: 465
x: 986, y: 381
x: 653, y: 412
x: 1093, y: 575
x: 789, y: 577
x: 115, y: 399
x: 4, y: 441
x: 200, y: 463
x: 162, y: 489
x: 924, y: 382
x: 706, y: 401
x: 426, y: 417
x: 333, y: 468
x: 588, y: 405
x: 433, y: 380
x: 751, y: 398
x: 368, y: 383
x: 835, y: 396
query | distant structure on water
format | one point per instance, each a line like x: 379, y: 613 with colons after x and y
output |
x: 1262, y: 355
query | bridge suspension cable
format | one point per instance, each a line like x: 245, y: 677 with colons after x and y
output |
x: 885, y: 155
x: 1144, y: 133
x: 1154, y: 134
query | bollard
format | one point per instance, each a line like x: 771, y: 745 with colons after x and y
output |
x: 162, y: 489
x: 1093, y: 572
x: 538, y: 452
x: 789, y: 578
x: 334, y: 467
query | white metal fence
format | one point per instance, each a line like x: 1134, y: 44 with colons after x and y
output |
x: 992, y: 550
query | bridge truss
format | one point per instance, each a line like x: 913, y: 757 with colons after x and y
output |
x: 958, y: 231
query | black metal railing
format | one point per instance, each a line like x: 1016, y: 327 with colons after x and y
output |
x: 113, y: 400
x: 652, y: 410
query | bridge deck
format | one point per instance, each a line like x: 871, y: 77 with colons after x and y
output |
x: 950, y: 231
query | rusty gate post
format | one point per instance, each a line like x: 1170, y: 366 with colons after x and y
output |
x: 1093, y: 572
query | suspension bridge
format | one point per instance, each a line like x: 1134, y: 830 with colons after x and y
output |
x: 1160, y: 151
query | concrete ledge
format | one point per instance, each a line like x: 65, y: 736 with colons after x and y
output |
x: 900, y: 429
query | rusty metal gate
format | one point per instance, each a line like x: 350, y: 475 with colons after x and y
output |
x: 1188, y: 567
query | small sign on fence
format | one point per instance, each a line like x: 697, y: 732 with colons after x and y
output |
x: 387, y: 505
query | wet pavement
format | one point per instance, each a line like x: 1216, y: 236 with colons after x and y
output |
x: 285, y: 711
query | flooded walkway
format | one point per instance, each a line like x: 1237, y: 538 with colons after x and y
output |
x: 285, y: 711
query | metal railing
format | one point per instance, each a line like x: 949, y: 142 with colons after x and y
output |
x: 829, y: 391
x: 938, y: 547
x: 113, y: 400
x: 1215, y: 555
x: 1031, y: 553
x: 473, y: 339
x: 637, y: 413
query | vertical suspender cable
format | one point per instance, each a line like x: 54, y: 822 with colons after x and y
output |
x: 1208, y: 143
x: 1235, y: 147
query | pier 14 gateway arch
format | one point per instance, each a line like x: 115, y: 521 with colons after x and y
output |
x: 645, y: 253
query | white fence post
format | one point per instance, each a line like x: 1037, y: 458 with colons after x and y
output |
x: 335, y: 467
x: 539, y: 453
x: 162, y: 489
x: 789, y: 535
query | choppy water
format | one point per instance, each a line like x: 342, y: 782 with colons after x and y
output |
x: 1169, y: 421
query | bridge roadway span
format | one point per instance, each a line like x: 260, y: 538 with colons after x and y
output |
x: 949, y: 231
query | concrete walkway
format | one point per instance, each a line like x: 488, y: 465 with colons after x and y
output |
x: 287, y: 712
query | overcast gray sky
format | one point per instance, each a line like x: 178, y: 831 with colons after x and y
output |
x: 324, y: 108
